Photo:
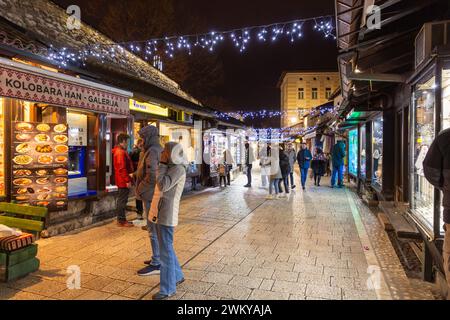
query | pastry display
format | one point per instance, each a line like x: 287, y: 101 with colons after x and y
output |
x: 40, y: 164
x: 23, y: 148
x: 42, y: 173
x: 22, y: 182
x: 22, y: 160
x: 61, y: 148
x: 43, y: 127
x: 24, y: 127
x: 44, y: 148
x: 23, y: 136
x: 60, y: 138
x: 42, y: 137
x: 23, y: 173
x: 45, y: 159
x: 60, y: 128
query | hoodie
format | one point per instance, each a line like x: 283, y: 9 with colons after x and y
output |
x: 170, y: 184
x: 148, y: 163
x: 123, y: 167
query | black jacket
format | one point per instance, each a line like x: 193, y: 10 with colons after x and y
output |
x: 284, y: 164
x: 436, y: 167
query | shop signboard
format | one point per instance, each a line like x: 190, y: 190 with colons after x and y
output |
x: 150, y: 108
x: 39, y: 164
x: 41, y: 88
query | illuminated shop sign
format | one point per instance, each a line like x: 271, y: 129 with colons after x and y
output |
x: 150, y: 108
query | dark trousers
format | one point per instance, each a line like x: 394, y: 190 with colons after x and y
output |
x: 139, y: 207
x: 229, y: 174
x: 285, y: 182
x: 317, y: 178
x: 249, y: 174
x: 122, y: 201
x: 224, y: 179
x: 292, y: 179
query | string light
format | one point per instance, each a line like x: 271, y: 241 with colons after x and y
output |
x: 241, y: 39
x: 265, y: 114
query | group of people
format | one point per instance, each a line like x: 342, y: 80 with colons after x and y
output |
x: 158, y: 176
x: 277, y: 168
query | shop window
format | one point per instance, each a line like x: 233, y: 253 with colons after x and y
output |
x: 377, y: 152
x: 362, y: 142
x: 315, y: 94
x: 424, y: 134
x: 353, y: 152
x: 446, y: 97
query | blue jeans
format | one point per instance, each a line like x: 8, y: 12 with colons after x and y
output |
x: 304, y: 174
x: 273, y: 184
x: 156, y: 261
x: 170, y: 267
x: 337, y: 171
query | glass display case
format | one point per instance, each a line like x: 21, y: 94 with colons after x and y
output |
x: 362, y: 148
x: 377, y: 152
x: 424, y: 133
x: 353, y: 152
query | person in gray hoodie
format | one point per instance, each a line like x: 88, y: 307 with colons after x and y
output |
x: 164, y: 212
x: 146, y: 175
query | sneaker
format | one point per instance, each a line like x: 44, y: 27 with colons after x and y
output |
x: 140, y: 217
x: 149, y: 271
x: 270, y: 197
x: 293, y: 187
x: 149, y: 262
x: 160, y: 296
x: 248, y: 186
x: 125, y: 224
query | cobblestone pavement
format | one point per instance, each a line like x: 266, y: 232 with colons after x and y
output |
x: 235, y: 244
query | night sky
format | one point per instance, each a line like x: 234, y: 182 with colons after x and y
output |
x: 250, y: 79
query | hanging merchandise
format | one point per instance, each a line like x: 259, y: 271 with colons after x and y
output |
x: 240, y: 38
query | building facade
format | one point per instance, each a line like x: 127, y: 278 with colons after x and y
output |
x: 302, y: 91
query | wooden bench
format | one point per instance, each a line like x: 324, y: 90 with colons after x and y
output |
x: 19, y: 263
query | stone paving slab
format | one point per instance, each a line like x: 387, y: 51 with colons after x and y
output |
x: 233, y: 244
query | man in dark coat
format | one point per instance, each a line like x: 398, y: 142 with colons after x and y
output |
x: 436, y: 168
x: 304, y: 158
x: 338, y: 156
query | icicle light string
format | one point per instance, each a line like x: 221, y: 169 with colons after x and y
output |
x: 240, y: 38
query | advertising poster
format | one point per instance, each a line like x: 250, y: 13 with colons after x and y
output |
x: 39, y: 164
x: 353, y: 152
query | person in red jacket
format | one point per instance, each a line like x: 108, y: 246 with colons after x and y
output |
x: 123, y: 170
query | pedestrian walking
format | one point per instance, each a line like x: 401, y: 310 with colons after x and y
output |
x: 164, y: 212
x: 338, y: 156
x: 292, y: 155
x: 275, y: 174
x: 318, y: 165
x: 436, y: 168
x: 223, y: 175
x: 249, y: 159
x: 229, y: 162
x: 304, y: 158
x: 135, y: 156
x: 146, y: 175
x: 285, y: 171
x: 264, y: 163
x: 123, y: 173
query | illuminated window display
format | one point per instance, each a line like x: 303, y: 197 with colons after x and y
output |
x: 377, y: 152
x: 424, y: 134
x: 353, y: 152
x: 362, y: 142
